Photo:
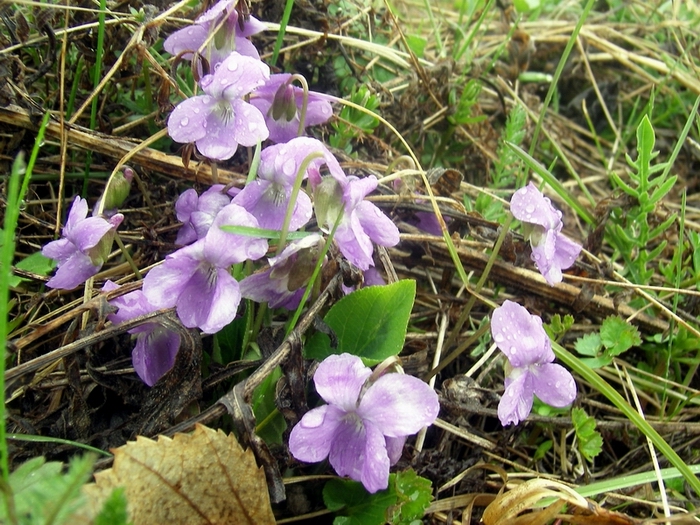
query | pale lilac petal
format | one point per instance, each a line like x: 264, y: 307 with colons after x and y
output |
x: 60, y: 250
x: 225, y: 249
x: 189, y: 120
x: 380, y: 228
x: 154, y: 354
x: 78, y: 212
x: 566, y: 253
x: 357, y: 189
x: 237, y: 76
x: 186, y: 204
x: 252, y: 26
x: 311, y: 439
x: 267, y: 202
x: 164, y: 284
x: 262, y: 288
x: 554, y: 384
x: 354, y: 243
x: 89, y: 232
x: 218, y: 143
x: 188, y: 38
x: 209, y: 302
x: 249, y: 124
x: 246, y: 48
x: 399, y: 405
x: 520, y: 336
x: 516, y: 402
x: 130, y: 305
x: 528, y: 204
x: 73, y: 272
x: 215, y: 11
x: 394, y: 448
x: 339, y: 379
x: 360, y: 453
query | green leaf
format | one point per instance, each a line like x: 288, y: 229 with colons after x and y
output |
x: 271, y: 423
x: 114, y: 510
x: 370, y: 323
x: 413, y: 497
x: 544, y: 447
x: 44, y: 494
x: 558, y: 326
x: 618, y: 336
x: 589, y: 344
x: 589, y: 440
x: 357, y: 505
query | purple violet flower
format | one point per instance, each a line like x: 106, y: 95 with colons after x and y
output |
x: 196, y: 279
x: 156, y: 346
x: 364, y: 426
x: 84, y: 247
x: 197, y: 212
x: 282, y: 284
x: 520, y: 336
x: 362, y: 222
x: 552, y: 251
x: 267, y: 197
x: 230, y: 37
x: 220, y: 120
x: 281, y: 103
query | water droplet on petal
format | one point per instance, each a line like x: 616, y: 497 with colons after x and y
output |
x: 289, y: 167
x: 196, y: 110
x: 513, y: 350
x: 498, y: 338
x: 530, y: 208
x: 556, y: 385
x: 232, y: 66
x: 252, y: 126
x: 184, y: 121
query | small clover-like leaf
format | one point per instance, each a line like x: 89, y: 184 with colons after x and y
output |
x: 618, y: 336
x: 589, y: 344
x: 590, y: 442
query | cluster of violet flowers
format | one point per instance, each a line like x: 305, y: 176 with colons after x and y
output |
x: 364, y: 425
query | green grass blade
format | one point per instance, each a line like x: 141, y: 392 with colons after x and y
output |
x: 630, y: 413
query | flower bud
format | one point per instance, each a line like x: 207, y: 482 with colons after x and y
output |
x: 284, y: 105
x: 118, y: 188
x: 328, y: 203
x: 98, y: 254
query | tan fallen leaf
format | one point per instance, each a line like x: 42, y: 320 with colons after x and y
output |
x: 199, y: 478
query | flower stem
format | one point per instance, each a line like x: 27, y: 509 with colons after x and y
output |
x: 304, y: 104
x: 293, y: 198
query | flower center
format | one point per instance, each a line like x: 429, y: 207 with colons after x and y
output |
x: 224, y: 111
x: 276, y: 193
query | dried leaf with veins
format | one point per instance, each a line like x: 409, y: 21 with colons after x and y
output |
x: 199, y: 478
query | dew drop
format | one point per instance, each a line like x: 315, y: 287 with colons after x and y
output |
x: 232, y: 66
x: 530, y: 208
x: 556, y: 385
x: 252, y: 126
x: 523, y: 190
x: 184, y: 121
x: 498, y: 338
x: 196, y: 110
x: 513, y: 350
x: 289, y: 167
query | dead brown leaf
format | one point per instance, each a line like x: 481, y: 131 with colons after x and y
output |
x: 200, y: 478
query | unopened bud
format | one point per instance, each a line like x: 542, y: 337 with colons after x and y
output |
x: 118, y: 188
x: 284, y: 105
x: 328, y: 203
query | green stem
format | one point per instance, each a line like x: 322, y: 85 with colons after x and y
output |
x: 293, y: 198
x: 630, y: 413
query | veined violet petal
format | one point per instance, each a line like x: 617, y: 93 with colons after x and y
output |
x: 310, y: 440
x: 339, y: 379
